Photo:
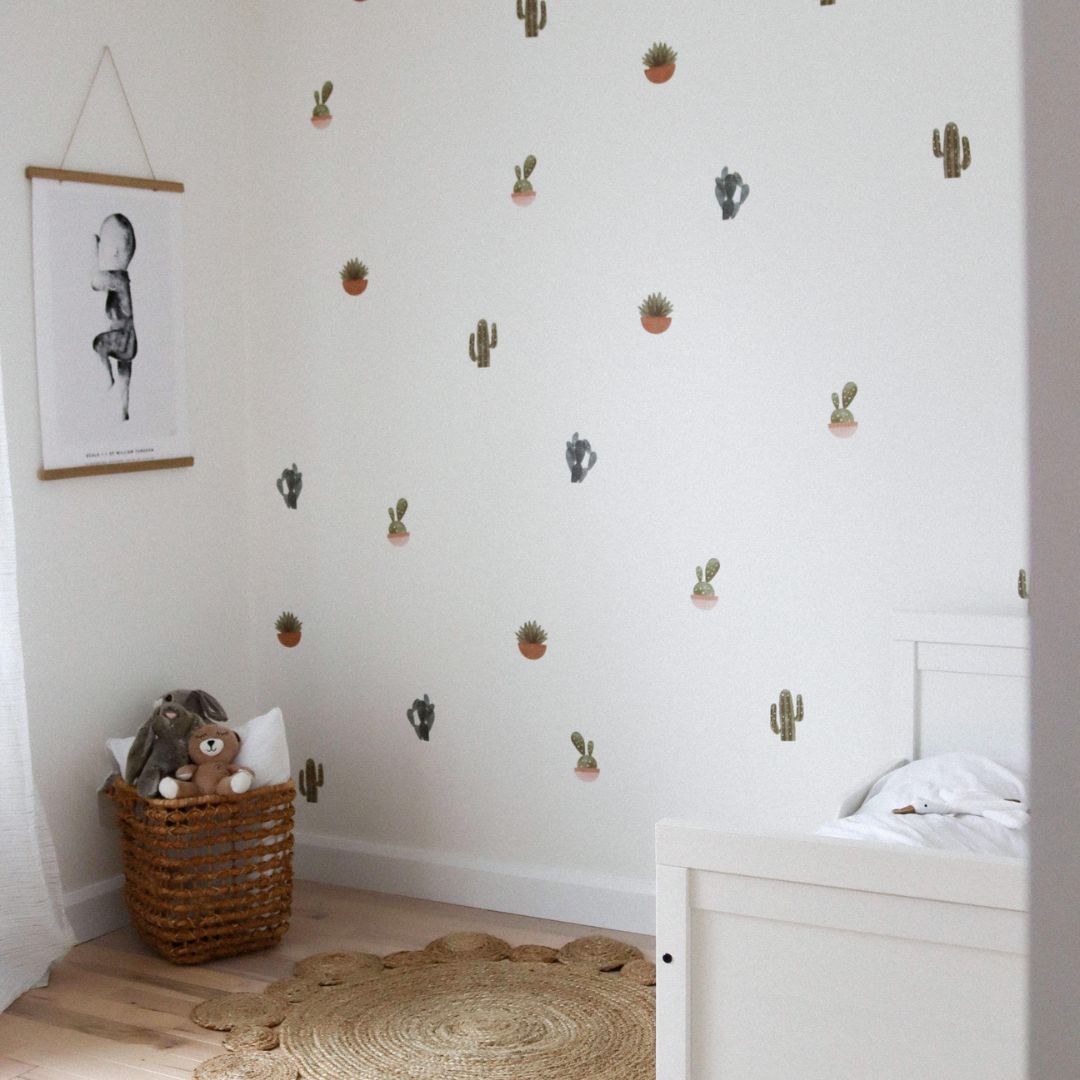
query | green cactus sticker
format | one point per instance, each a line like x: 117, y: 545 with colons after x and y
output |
x: 1022, y: 585
x: 534, y: 14
x: 842, y: 423
x: 659, y: 62
x: 586, y: 768
x: 954, y: 163
x: 523, y: 193
x: 480, y: 344
x: 320, y: 115
x: 311, y: 779
x: 789, y: 716
x: 398, y: 534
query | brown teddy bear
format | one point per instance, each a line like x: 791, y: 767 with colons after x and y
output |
x: 212, y: 749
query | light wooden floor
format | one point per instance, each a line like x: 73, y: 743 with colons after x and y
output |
x: 116, y: 1011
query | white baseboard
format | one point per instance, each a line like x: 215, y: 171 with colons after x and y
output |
x: 96, y: 909
x: 613, y: 903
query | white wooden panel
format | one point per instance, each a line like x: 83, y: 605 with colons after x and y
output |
x: 776, y: 1000
x: 672, y: 973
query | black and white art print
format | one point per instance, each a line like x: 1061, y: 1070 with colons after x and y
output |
x: 109, y: 313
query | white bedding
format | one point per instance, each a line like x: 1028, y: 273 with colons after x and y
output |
x: 939, y: 778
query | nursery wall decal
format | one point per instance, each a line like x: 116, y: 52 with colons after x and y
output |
x: 704, y: 595
x: 728, y: 186
x: 311, y: 779
x: 842, y: 424
x: 320, y: 115
x: 523, y: 193
x: 1022, y: 585
x: 288, y: 627
x: 289, y: 484
x: 531, y: 639
x: 398, y: 534
x: 480, y: 345
x: 534, y: 15
x: 659, y: 62
x: 951, y: 152
x: 581, y: 457
x: 354, y: 277
x: 586, y: 768
x: 789, y: 716
x: 422, y: 717
x: 655, y: 312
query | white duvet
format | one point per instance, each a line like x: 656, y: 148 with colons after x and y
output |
x: 940, y: 779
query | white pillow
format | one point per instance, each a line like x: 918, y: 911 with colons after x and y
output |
x: 263, y: 749
x: 929, y: 777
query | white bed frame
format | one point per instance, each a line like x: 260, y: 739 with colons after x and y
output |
x: 784, y: 957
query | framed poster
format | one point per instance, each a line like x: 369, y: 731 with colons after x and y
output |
x: 109, y: 315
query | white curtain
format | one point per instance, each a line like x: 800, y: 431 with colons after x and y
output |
x: 34, y: 930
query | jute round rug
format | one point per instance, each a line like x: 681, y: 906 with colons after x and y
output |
x: 470, y: 1019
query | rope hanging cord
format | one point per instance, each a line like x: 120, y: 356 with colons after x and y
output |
x: 123, y: 90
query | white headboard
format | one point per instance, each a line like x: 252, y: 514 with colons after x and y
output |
x: 962, y: 682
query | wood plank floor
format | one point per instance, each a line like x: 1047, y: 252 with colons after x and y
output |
x: 116, y: 1011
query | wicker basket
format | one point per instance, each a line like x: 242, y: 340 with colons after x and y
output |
x: 209, y: 876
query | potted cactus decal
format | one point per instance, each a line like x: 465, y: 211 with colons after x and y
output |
x: 398, y: 534
x: 523, y: 193
x: 789, y: 716
x: 704, y: 595
x: 954, y: 163
x: 655, y: 312
x: 827, y: 3
x: 289, y: 484
x: 1022, y: 585
x: 422, y: 717
x: 578, y: 451
x: 311, y: 779
x: 480, y: 345
x: 586, y: 768
x: 534, y: 14
x: 659, y: 62
x: 531, y: 640
x: 728, y: 185
x: 842, y: 424
x: 320, y: 115
x: 354, y: 277
x: 288, y: 629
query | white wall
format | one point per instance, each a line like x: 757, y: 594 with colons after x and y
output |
x: 1052, y: 85
x: 129, y: 585
x: 853, y: 259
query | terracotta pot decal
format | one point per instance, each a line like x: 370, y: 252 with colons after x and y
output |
x: 522, y: 198
x: 398, y: 539
x: 655, y: 311
x: 704, y: 602
x: 588, y: 775
x: 842, y: 424
x: 531, y: 641
x: 659, y: 62
x: 288, y: 628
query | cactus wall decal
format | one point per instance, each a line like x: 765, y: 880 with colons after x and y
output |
x: 311, y: 779
x: 827, y: 3
x: 655, y: 311
x: 842, y: 424
x: 532, y: 639
x: 289, y: 484
x: 704, y: 595
x: 320, y: 115
x: 422, y: 717
x: 523, y: 193
x: 534, y: 15
x: 581, y: 457
x: 354, y: 276
x: 288, y: 628
x: 398, y: 534
x: 789, y: 716
x: 728, y: 185
x: 954, y: 163
x: 659, y: 62
x: 586, y: 768
x: 1022, y: 585
x: 480, y: 345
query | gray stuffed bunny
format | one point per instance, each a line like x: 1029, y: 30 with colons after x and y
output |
x: 161, y: 745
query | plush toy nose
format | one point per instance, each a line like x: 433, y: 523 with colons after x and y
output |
x: 212, y: 746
